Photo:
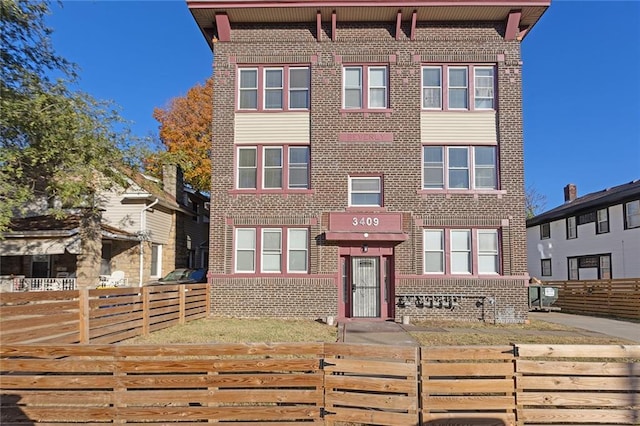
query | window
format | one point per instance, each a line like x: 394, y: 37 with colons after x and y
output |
x: 365, y: 87
x: 365, y: 191
x: 487, y: 251
x: 573, y: 268
x: 272, y: 162
x: 545, y: 231
x: 632, y: 214
x: 461, y: 251
x: 298, y: 250
x: 545, y: 267
x: 247, y: 167
x: 245, y: 250
x: 604, y: 272
x: 434, y: 251
x: 602, y: 224
x: 449, y: 87
x: 459, y: 167
x: 273, y: 88
x: 572, y: 229
x: 156, y: 260
x: 271, y: 250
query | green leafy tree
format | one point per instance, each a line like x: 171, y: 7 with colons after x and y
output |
x: 56, y: 144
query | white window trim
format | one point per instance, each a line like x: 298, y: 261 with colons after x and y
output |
x: 350, y: 192
x: 264, y: 167
x: 289, y: 250
x: 468, y: 251
x: 471, y: 168
x: 493, y: 253
x: 266, y: 89
x: 370, y: 87
x: 236, y: 249
x: 439, y: 68
x: 238, y: 167
x: 475, y: 83
x: 241, y: 89
x: 272, y: 252
x: 442, y: 251
x: 158, y: 261
x: 466, y: 88
x: 299, y: 89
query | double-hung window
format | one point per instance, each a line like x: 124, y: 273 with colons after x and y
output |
x: 273, y: 167
x: 365, y: 87
x: 632, y: 214
x: 602, y: 222
x: 459, y: 167
x: 458, y: 87
x: 273, y: 88
x: 365, y: 191
x: 461, y: 251
x: 545, y: 231
x: 271, y: 250
x: 572, y: 229
x: 545, y: 267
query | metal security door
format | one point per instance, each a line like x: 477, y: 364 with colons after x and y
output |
x: 365, y: 287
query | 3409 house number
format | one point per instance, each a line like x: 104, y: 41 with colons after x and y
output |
x: 365, y: 221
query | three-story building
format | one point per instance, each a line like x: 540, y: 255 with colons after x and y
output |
x: 368, y: 158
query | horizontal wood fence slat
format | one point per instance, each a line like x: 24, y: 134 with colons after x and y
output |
x: 98, y: 315
x: 319, y: 383
x: 617, y: 298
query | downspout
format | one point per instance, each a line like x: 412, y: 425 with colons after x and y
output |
x: 143, y: 236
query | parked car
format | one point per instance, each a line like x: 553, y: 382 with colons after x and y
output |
x: 184, y: 276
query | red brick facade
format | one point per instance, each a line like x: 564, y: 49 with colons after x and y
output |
x: 404, y: 288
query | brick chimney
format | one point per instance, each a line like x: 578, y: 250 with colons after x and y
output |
x: 570, y: 193
x: 172, y: 181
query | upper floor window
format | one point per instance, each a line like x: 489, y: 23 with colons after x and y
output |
x: 572, y: 229
x: 461, y: 251
x: 545, y: 231
x: 458, y: 87
x: 545, y: 266
x: 271, y: 250
x: 602, y: 224
x: 273, y: 167
x: 459, y: 167
x: 365, y: 87
x: 273, y: 88
x: 365, y: 191
x: 632, y: 214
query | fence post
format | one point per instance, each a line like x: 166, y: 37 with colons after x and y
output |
x: 207, y: 299
x: 145, y: 311
x: 182, y: 302
x: 83, y: 320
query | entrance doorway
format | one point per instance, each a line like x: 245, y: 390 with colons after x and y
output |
x: 365, y: 287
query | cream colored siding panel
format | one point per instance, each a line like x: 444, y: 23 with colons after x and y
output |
x: 125, y: 216
x: 468, y: 128
x: 281, y: 127
x: 159, y: 224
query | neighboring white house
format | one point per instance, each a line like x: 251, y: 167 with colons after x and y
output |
x: 596, y: 236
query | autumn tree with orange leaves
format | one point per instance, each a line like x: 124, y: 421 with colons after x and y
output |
x: 185, y: 133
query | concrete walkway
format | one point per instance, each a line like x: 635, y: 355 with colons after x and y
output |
x: 375, y: 333
x: 622, y: 329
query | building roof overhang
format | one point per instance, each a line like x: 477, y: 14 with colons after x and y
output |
x: 215, y: 16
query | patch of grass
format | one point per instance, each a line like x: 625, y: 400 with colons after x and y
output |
x: 234, y: 330
x: 444, y: 333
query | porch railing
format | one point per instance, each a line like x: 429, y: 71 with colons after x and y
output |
x: 43, y: 284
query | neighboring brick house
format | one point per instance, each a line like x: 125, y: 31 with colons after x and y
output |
x: 146, y: 228
x: 592, y: 237
x: 368, y: 158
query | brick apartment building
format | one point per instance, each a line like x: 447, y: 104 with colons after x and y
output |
x: 368, y: 158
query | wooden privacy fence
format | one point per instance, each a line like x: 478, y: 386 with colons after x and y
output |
x: 320, y: 383
x: 98, y: 315
x: 619, y: 298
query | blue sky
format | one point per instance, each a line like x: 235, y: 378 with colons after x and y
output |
x: 581, y: 79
